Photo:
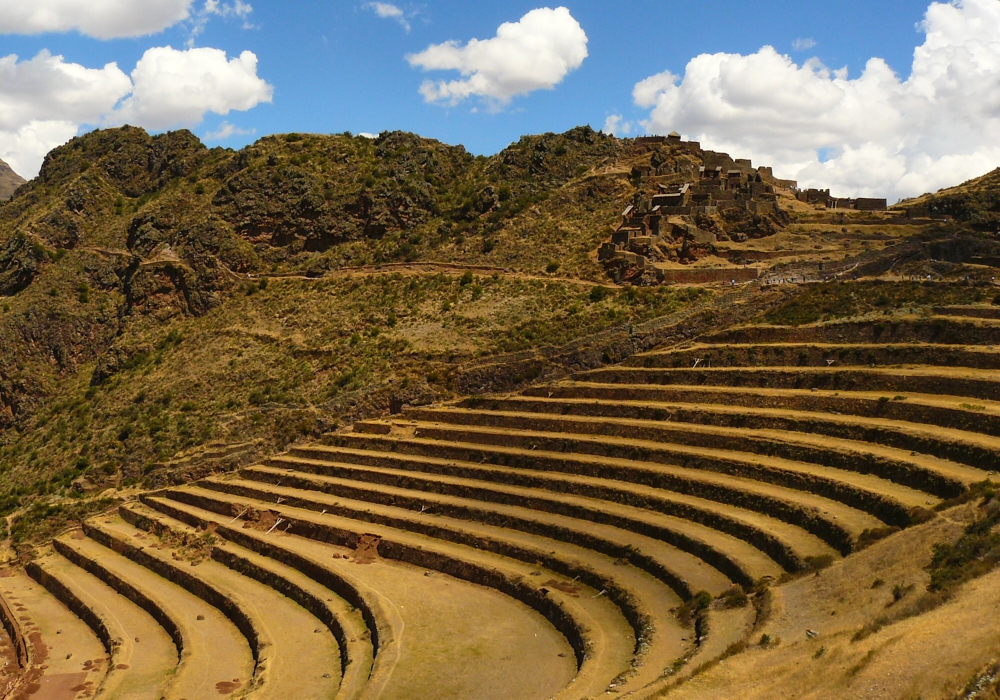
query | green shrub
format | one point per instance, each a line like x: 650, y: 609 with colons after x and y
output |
x: 599, y: 294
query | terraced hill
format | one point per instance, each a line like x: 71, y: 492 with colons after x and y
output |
x: 750, y: 513
x: 334, y: 417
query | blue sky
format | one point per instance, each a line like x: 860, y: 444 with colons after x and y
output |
x: 333, y: 66
x: 338, y: 67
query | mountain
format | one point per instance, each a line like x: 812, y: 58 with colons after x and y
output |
x: 158, y: 297
x: 9, y: 181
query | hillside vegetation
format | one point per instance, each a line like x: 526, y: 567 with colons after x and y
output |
x: 157, y: 296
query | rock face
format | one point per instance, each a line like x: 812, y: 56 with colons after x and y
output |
x: 9, y: 181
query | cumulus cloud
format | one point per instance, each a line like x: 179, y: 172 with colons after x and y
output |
x: 174, y: 87
x: 103, y: 19
x: 534, y: 53
x: 387, y: 10
x: 874, y: 135
x: 45, y: 101
x: 804, y: 44
x: 617, y: 126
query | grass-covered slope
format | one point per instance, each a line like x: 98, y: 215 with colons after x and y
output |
x: 157, y: 296
x: 976, y: 202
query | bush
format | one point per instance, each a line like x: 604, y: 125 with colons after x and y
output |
x: 466, y: 279
x: 553, y: 266
x: 871, y: 536
x: 899, y: 591
x: 974, y: 554
x: 599, y: 294
x: 734, y: 598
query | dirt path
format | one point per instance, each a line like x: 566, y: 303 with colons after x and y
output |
x: 68, y: 661
x: 215, y: 655
x: 145, y: 659
x: 433, y: 268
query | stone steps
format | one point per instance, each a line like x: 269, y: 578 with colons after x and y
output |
x: 940, y: 330
x: 812, y: 522
x: 881, y: 498
x: 215, y: 657
x: 982, y: 385
x: 949, y: 412
x: 786, y: 544
x: 368, y: 629
x: 348, y: 632
x: 61, y: 652
x: 941, y: 461
x: 818, y: 355
x: 734, y: 431
x: 533, y: 546
x: 644, y: 600
x: 143, y: 657
x: 601, y: 637
x: 681, y: 571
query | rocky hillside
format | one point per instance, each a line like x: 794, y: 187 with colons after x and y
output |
x: 9, y: 181
x: 159, y: 299
x: 976, y: 202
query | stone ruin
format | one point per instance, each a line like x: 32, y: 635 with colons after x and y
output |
x: 719, y: 184
x: 823, y: 198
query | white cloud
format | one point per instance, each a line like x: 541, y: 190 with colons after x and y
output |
x: 177, y: 88
x: 227, y: 131
x: 804, y: 44
x: 387, y: 10
x: 45, y: 100
x: 24, y: 149
x: 617, y: 126
x: 103, y: 19
x: 214, y: 8
x: 872, y: 135
x: 366, y: 135
x: 533, y: 54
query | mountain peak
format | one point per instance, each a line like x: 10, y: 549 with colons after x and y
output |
x: 9, y: 181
